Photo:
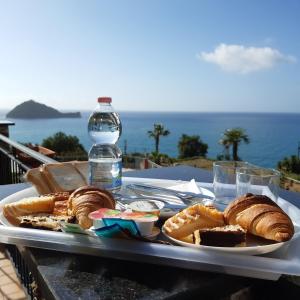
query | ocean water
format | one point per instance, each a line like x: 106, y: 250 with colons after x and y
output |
x: 272, y: 136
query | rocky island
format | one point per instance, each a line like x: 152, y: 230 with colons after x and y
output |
x: 33, y: 110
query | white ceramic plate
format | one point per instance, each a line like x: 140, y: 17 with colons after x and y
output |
x: 256, y: 247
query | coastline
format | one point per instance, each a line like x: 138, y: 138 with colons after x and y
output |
x: 269, y: 141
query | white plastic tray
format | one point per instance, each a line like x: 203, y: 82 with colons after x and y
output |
x: 269, y: 266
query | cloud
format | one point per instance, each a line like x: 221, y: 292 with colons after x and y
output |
x: 241, y: 59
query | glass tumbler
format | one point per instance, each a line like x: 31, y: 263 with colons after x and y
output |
x: 259, y: 181
x: 224, y: 183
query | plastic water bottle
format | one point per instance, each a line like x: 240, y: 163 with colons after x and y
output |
x: 105, y: 157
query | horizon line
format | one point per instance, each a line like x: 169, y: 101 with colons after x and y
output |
x: 175, y: 111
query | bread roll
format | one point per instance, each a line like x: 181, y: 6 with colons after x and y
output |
x: 260, y: 216
x: 27, y: 206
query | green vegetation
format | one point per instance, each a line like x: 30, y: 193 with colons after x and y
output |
x: 290, y: 164
x: 158, y: 131
x: 161, y: 158
x: 67, y: 147
x: 290, y: 170
x: 232, y: 138
x: 191, y: 146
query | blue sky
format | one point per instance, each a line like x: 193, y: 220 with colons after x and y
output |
x: 152, y: 55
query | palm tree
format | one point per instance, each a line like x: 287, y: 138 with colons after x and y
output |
x: 234, y: 137
x: 226, y: 146
x: 159, y: 130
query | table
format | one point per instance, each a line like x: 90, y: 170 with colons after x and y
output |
x: 68, y: 276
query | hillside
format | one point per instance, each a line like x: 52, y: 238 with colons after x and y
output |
x: 33, y: 110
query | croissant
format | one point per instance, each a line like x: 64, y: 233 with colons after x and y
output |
x: 260, y: 216
x: 86, y: 200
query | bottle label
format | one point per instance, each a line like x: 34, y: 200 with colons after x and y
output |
x: 105, y: 175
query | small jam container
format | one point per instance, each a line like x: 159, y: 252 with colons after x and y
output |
x: 98, y: 215
x: 147, y: 206
x: 144, y: 221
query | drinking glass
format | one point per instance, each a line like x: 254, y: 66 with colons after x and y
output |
x: 259, y: 181
x: 224, y: 183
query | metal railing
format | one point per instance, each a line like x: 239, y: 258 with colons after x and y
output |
x: 22, y: 270
x: 12, y: 168
x: 12, y: 171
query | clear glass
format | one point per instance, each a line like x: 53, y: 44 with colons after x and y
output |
x: 224, y: 182
x: 259, y: 181
x: 104, y: 125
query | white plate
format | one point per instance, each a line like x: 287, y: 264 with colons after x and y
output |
x: 258, y: 246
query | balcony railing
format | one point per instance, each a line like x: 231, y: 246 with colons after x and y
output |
x: 13, y: 167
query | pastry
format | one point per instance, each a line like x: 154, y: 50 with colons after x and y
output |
x: 60, y: 196
x: 260, y: 216
x: 192, y: 218
x: 60, y: 208
x: 86, y: 200
x: 44, y: 221
x: 188, y: 239
x: 225, y: 236
x: 12, y: 211
x: 60, y: 203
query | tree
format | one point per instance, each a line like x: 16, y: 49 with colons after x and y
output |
x: 290, y: 164
x: 233, y: 137
x: 226, y: 154
x: 62, y: 144
x: 191, y: 145
x: 158, y: 131
x: 161, y: 158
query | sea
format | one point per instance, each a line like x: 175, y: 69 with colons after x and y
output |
x: 273, y: 136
